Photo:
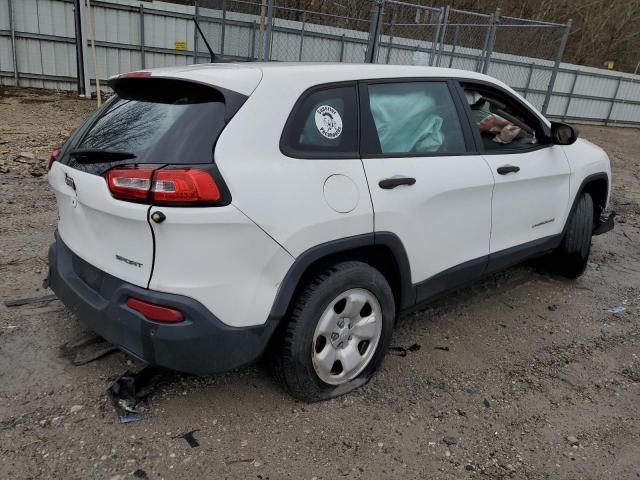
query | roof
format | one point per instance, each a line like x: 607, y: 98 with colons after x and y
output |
x: 245, y: 77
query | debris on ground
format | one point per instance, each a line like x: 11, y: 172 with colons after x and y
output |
x: 449, y: 440
x: 486, y: 403
x: 617, y: 309
x: 87, y: 348
x: 402, y: 351
x: 240, y: 460
x: 130, y: 393
x: 444, y: 349
x: 29, y: 301
x: 190, y: 439
x: 141, y: 474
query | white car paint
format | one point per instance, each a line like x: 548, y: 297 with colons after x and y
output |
x: 101, y: 230
x: 532, y: 203
x: 233, y: 259
x: 222, y: 259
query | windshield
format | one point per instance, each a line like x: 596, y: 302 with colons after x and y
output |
x: 159, y: 122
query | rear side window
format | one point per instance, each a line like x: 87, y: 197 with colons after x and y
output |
x: 408, y: 118
x: 150, y: 121
x: 323, y: 124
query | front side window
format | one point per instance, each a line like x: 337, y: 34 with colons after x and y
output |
x: 413, y: 118
x: 323, y: 124
x: 503, y: 123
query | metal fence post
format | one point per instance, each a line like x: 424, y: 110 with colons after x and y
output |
x: 556, y: 66
x: 224, y: 21
x: 304, y: 20
x: 495, y: 19
x: 528, y: 84
x: 436, y: 37
x: 12, y: 26
x: 142, y: 55
x: 443, y: 34
x: 342, y: 48
x: 613, y: 101
x: 195, y: 32
x: 573, y: 87
x: 377, y: 10
x: 269, y: 31
x: 79, y: 59
x: 455, y: 43
x: 485, y: 45
x: 252, y: 52
x: 393, y: 21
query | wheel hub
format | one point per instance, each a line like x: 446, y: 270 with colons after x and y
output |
x: 341, y: 336
x: 346, y: 336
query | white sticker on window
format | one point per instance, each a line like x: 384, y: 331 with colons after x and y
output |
x: 328, y: 121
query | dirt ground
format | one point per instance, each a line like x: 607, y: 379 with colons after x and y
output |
x: 530, y: 373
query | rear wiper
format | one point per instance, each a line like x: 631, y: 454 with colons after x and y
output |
x: 97, y: 155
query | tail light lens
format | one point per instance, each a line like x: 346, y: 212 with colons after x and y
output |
x: 54, y: 156
x: 131, y: 184
x: 157, y: 313
x: 186, y: 186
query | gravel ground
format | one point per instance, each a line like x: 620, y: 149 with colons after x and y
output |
x: 529, y: 375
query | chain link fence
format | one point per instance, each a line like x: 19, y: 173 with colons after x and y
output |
x: 132, y: 34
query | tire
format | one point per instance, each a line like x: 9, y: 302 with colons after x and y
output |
x: 330, y: 303
x: 571, y: 257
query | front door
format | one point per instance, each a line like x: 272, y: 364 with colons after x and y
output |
x: 531, y: 175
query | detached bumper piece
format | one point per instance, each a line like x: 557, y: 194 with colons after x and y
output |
x: 199, y: 344
x: 604, y: 225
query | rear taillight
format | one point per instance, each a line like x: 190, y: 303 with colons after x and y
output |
x: 130, y: 183
x: 157, y: 313
x: 54, y: 156
x: 186, y: 186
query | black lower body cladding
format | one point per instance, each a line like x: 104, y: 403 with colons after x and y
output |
x: 201, y: 344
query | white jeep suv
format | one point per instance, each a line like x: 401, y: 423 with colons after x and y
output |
x: 214, y: 213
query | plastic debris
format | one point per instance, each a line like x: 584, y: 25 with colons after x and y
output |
x: 87, y: 348
x: 190, y: 439
x: 29, y: 301
x: 402, y: 351
x: 130, y: 393
x: 617, y: 309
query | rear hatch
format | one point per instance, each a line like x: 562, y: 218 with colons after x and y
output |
x: 149, y: 124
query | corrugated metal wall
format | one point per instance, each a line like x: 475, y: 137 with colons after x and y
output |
x: 46, y: 57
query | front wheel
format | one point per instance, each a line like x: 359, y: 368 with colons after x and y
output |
x: 337, y: 334
x: 571, y: 257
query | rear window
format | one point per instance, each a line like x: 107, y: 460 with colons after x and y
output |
x: 323, y: 124
x: 155, y: 121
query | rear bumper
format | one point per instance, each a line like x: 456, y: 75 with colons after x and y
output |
x: 202, y: 344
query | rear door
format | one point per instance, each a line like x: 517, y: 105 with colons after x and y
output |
x: 427, y: 184
x: 148, y: 124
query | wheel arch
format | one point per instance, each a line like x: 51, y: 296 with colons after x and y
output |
x: 382, y: 250
x: 596, y: 185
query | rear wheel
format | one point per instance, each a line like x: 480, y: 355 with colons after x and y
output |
x: 337, y: 334
x: 572, y: 256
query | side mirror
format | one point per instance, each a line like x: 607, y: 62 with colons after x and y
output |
x: 563, y: 134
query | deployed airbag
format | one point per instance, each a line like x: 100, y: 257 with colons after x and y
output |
x: 405, y: 122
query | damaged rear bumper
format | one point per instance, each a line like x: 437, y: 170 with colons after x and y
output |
x: 201, y: 344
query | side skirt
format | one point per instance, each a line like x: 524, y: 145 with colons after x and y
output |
x: 469, y: 272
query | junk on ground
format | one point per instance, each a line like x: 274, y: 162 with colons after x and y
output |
x: 29, y: 301
x: 88, y: 348
x: 617, y: 309
x: 130, y: 393
x: 190, y: 439
x: 402, y: 351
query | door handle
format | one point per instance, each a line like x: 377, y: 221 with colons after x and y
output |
x: 393, y: 182
x: 508, y: 169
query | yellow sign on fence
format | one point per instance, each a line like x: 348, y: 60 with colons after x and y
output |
x: 180, y: 45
